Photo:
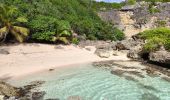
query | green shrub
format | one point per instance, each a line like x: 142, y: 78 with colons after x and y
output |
x: 156, y: 38
x: 153, y: 10
x: 153, y: 44
x: 131, y: 2
x: 43, y: 36
x: 75, y: 41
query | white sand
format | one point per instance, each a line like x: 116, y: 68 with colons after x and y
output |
x: 30, y: 58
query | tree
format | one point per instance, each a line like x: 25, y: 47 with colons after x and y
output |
x: 9, y: 20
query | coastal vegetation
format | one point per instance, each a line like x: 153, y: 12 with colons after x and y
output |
x: 11, y: 23
x: 56, y: 21
x: 156, y: 38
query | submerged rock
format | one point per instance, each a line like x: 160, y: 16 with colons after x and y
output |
x: 148, y: 87
x: 117, y: 72
x: 149, y: 96
x: 74, y: 98
x: 166, y: 79
x: 38, y: 95
x: 130, y: 78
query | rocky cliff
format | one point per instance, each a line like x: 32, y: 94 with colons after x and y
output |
x: 139, y: 17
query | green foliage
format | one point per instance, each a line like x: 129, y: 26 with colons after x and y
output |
x: 9, y: 18
x: 51, y: 20
x: 46, y: 36
x: 131, y: 2
x: 161, y: 23
x: 153, y: 10
x: 156, y: 38
x: 154, y: 44
x: 75, y: 41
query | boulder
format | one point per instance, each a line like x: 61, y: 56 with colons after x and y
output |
x: 128, y: 44
x: 103, y: 53
x: 90, y: 48
x: 104, y: 50
x: 3, y: 51
x: 135, y: 52
x: 161, y: 56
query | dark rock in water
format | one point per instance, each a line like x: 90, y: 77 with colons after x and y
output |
x: 166, y: 79
x: 117, y: 72
x: 136, y: 73
x: 148, y: 87
x: 38, y: 95
x: 130, y: 78
x: 149, y: 96
x: 74, y: 98
x: 33, y: 84
x: 53, y: 99
x: 3, y: 51
x: 8, y: 90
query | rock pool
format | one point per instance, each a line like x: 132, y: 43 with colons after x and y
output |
x: 86, y: 82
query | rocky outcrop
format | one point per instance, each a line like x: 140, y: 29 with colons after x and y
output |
x: 104, y: 51
x: 8, y: 90
x: 160, y: 56
x: 128, y: 44
x: 135, y: 52
x: 137, y: 18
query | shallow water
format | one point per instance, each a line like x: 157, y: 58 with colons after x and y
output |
x: 91, y: 83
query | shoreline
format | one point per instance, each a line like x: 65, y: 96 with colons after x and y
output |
x: 25, y: 59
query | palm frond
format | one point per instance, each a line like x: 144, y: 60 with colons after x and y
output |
x: 22, y: 19
x: 3, y: 32
x: 20, y: 38
x: 63, y: 39
x: 23, y: 31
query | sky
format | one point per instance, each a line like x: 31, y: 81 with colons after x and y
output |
x: 111, y: 0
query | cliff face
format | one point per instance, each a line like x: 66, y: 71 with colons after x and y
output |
x: 136, y: 18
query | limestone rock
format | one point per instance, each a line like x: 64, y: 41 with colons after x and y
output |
x: 103, y: 53
x: 160, y: 56
x: 128, y: 44
x: 135, y: 52
x: 8, y: 90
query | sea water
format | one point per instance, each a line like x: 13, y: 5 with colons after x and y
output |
x: 91, y: 83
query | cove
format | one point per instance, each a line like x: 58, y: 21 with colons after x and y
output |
x: 86, y: 82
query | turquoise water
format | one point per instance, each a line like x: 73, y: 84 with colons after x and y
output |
x: 91, y: 83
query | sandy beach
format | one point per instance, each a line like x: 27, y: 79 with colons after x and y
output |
x: 31, y: 58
